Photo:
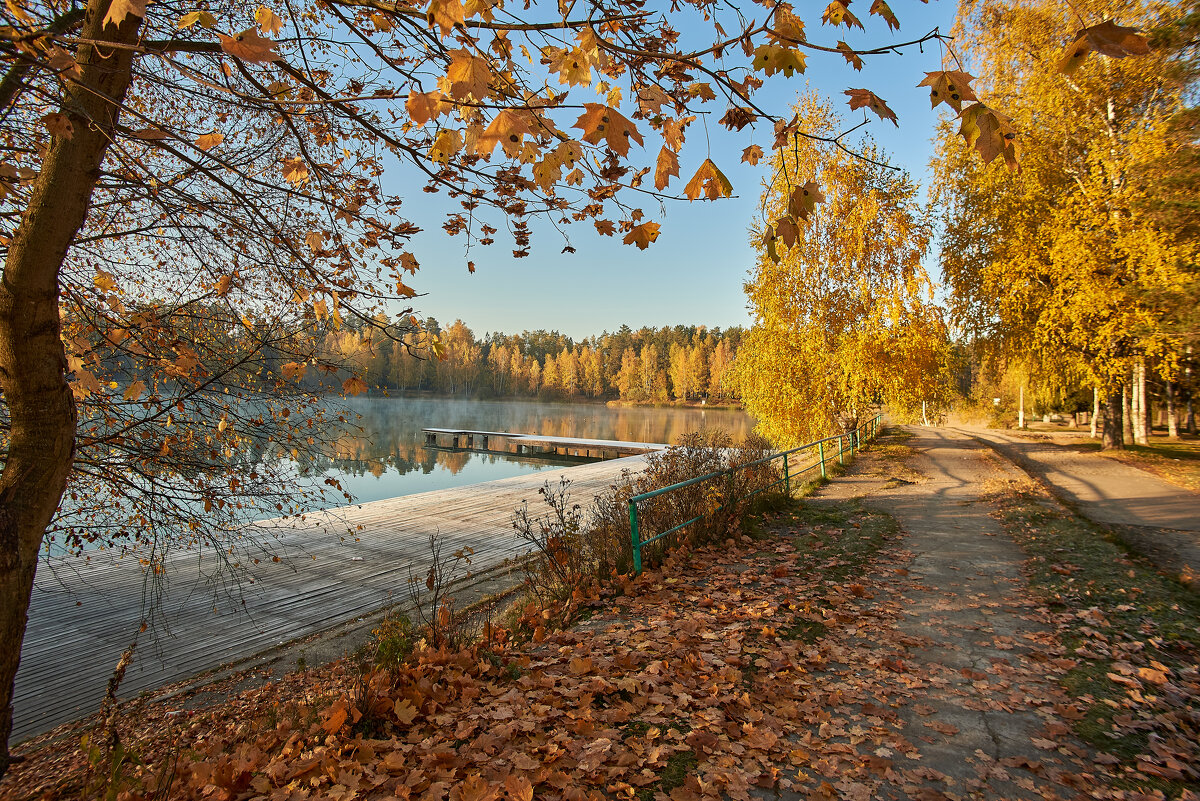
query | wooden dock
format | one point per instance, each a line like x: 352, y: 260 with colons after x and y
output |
x: 506, y: 442
x: 85, y: 612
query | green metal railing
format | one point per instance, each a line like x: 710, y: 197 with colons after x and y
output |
x: 846, y: 443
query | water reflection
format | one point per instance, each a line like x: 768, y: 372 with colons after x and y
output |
x: 388, y: 458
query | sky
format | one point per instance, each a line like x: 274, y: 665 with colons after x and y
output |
x: 694, y: 273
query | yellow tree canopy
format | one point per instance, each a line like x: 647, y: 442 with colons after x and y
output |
x: 843, y: 314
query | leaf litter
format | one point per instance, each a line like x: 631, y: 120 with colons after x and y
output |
x: 767, y: 666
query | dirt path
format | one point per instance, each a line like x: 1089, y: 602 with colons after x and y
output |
x: 987, y: 714
x: 1159, y: 519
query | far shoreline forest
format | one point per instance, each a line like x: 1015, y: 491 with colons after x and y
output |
x: 672, y: 364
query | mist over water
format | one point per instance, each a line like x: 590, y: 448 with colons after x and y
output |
x: 388, y: 459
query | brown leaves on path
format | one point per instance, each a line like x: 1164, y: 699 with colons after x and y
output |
x: 773, y: 665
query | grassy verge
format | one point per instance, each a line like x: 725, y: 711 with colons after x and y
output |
x: 1132, y: 637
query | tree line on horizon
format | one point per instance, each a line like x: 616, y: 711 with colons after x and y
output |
x: 653, y: 365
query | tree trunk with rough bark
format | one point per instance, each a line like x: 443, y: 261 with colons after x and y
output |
x: 1113, y: 423
x: 33, y: 365
x: 1126, y: 415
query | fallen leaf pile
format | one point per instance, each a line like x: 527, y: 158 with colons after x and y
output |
x: 761, y: 666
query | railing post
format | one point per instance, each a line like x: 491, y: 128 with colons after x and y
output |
x: 821, y: 453
x: 841, y: 458
x: 634, y: 535
x: 787, y: 475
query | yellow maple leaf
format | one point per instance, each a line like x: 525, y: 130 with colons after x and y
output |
x: 267, y: 21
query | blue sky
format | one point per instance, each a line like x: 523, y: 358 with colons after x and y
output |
x: 693, y: 273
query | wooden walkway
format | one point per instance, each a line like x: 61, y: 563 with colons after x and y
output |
x: 84, y: 613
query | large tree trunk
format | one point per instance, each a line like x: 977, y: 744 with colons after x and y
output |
x: 1113, y: 428
x: 33, y: 363
x: 1126, y: 415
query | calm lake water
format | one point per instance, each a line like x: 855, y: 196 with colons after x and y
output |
x: 388, y: 458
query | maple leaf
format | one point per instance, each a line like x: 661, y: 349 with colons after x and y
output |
x: 605, y: 227
x: 445, y: 145
x: 425, y: 106
x: 804, y: 199
x: 104, y: 281
x: 508, y: 128
x: 134, y: 390
x: 293, y: 371
x: 667, y: 166
x: 224, y: 284
x: 209, y: 140
x: 467, y: 76
x: 864, y: 97
x: 476, y: 788
x: 404, y: 711
x: 408, y: 262
x: 267, y: 21
x: 519, y: 787
x: 354, y: 386
x: 710, y: 181
x: 752, y: 154
x: 63, y: 62
x: 249, y: 46
x: 446, y: 14
x: 949, y: 87
x: 787, y: 27
x: 315, y: 240
x: 771, y: 59
x: 852, y: 58
x: 119, y: 10
x: 333, y: 718
x: 881, y: 8
x: 1108, y: 39
x: 204, y: 18
x: 58, y: 124
x: 295, y: 171
x: 837, y: 13
x: 602, y: 123
x: 642, y: 235
x: 787, y: 231
x: 991, y: 134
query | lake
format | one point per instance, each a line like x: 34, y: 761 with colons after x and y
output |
x: 388, y: 459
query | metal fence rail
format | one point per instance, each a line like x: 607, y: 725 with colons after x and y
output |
x: 847, y: 444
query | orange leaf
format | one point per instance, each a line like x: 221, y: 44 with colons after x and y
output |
x: 249, y: 46
x: 668, y: 165
x: 295, y: 171
x: 134, y: 390
x: 864, y: 97
x: 519, y: 788
x: 602, y: 123
x: 404, y: 711
x: 752, y: 154
x: 354, y: 386
x: 949, y: 87
x: 580, y: 666
x: 209, y: 140
x: 508, y: 128
x: 709, y: 181
x: 881, y: 8
x: 467, y: 76
x: 852, y: 58
x: 294, y: 371
x: 333, y: 718
x: 425, y: 106
x: 476, y: 788
x: 446, y: 14
x: 642, y: 235
x: 1108, y: 39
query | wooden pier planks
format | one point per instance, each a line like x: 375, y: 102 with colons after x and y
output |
x: 84, y: 613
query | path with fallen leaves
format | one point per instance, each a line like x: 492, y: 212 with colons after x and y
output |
x: 876, y: 643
